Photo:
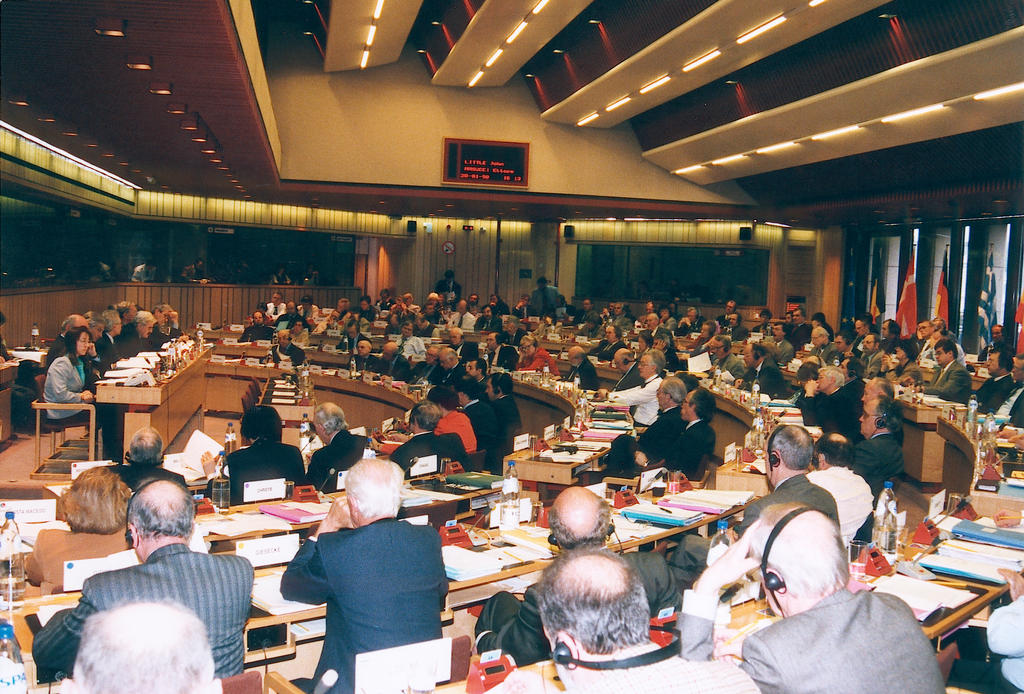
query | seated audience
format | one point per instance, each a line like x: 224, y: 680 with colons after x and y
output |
x: 452, y: 420
x: 828, y: 405
x: 696, y: 444
x: 122, y: 652
x: 161, y: 517
x: 659, y: 441
x: 500, y: 355
x: 828, y: 639
x: 93, y: 507
x: 642, y: 397
x: 392, y: 363
x: 423, y: 419
x: 130, y: 343
x: 580, y: 521
x: 761, y: 368
x: 429, y: 371
x: 467, y: 351
x: 499, y: 392
x: 70, y: 378
x: 900, y: 364
x: 997, y: 388
x: 533, y: 357
x: 341, y: 450
x: 257, y: 329
x: 626, y: 364
x: 605, y: 349
x: 375, y: 598
x: 145, y: 461
x: 833, y: 460
x: 470, y: 393
x: 264, y: 457
x: 950, y: 380
x: 722, y: 357
x: 581, y: 371
x: 879, y: 457
x: 285, y: 349
x: 451, y: 368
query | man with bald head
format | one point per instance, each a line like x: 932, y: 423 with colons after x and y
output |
x: 452, y: 369
x: 383, y: 579
x: 581, y: 370
x: 161, y: 517
x: 466, y: 351
x: 579, y: 520
x: 393, y: 364
x: 626, y: 364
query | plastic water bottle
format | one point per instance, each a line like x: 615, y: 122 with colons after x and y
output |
x: 755, y: 393
x: 720, y: 542
x: 509, y: 519
x: 35, y: 336
x: 220, y: 487
x: 12, y: 564
x: 230, y: 440
x: 885, y: 532
x: 972, y: 417
x: 305, y: 435
x: 200, y: 340
x: 12, y: 670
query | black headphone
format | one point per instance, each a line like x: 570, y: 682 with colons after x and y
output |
x: 563, y: 656
x: 880, y: 422
x: 773, y: 582
x: 774, y: 459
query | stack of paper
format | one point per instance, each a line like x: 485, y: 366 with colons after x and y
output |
x: 237, y: 524
x: 989, y: 534
x: 461, y: 564
x: 1000, y: 557
x: 297, y: 512
x: 601, y: 434
x: 189, y: 463
x: 661, y: 515
x: 266, y: 595
x: 706, y: 500
x: 923, y: 597
x: 966, y: 568
x: 626, y: 529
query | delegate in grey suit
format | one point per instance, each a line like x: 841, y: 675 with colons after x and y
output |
x: 829, y: 639
x: 216, y: 588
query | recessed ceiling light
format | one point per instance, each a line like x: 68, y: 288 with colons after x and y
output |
x: 726, y: 160
x: 757, y: 31
x: 46, y: 118
x: 216, y: 160
x: 435, y: 23
x: 529, y: 75
x: 161, y: 88
x: 558, y: 51
x: 70, y: 131
x: 201, y: 136
x: 109, y: 26
x: 887, y: 15
x: 833, y: 133
x: 18, y: 101
x: 124, y: 163
x: 364, y: 60
x: 92, y: 145
x: 210, y: 147
x: 108, y: 155
x: 516, y: 32
x: 539, y: 6
x: 421, y: 51
x: 494, y: 57
x: 177, y: 109
x: 223, y: 168
x: 593, y: 21
x: 815, y: 3
x: 139, y: 62
x: 697, y: 62
x: 136, y: 170
x: 476, y: 78
x: 620, y: 102
x: 1008, y: 89
x: 650, y: 86
x: 371, y: 34
x: 775, y: 148
x: 911, y: 113
x: 688, y: 169
x: 378, y: 9
x: 586, y: 119
x: 191, y: 123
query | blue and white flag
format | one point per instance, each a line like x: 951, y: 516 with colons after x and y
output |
x: 986, y: 303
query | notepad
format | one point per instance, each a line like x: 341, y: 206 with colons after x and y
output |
x: 923, y: 597
x: 266, y: 595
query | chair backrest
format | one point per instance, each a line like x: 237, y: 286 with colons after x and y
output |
x: 462, y: 651
x: 477, y: 460
x: 40, y: 380
x: 246, y: 683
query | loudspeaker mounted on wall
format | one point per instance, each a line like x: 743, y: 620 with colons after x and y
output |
x: 569, y: 231
x: 410, y: 226
x: 746, y: 233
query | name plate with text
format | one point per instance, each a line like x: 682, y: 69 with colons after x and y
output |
x: 252, y: 361
x: 424, y: 465
x: 521, y: 442
x: 204, y: 326
x: 266, y: 551
x: 341, y: 480
x: 230, y: 341
x: 549, y: 432
x: 263, y: 343
x: 263, y: 490
x: 31, y: 510
x: 236, y: 328
x: 333, y: 333
x: 80, y: 466
x: 76, y: 571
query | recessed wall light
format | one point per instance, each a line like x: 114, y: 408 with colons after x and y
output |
x: 139, y: 62
x: 161, y: 88
x: 177, y: 109
x: 109, y: 26
x: 46, y: 118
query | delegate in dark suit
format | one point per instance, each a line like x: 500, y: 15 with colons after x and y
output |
x: 586, y: 373
x: 838, y: 412
x: 450, y: 377
x: 952, y: 383
x: 443, y: 446
x: 383, y: 584
x: 263, y: 460
x: 994, y: 392
x: 398, y: 368
x: 485, y: 428
x: 344, y: 451
x: 657, y: 443
x: 509, y: 421
x: 605, y: 350
x: 516, y: 627
x: 769, y: 378
x: 868, y: 642
x: 691, y: 446
x: 878, y: 459
x: 427, y: 373
x: 216, y: 587
x: 505, y: 358
x: 630, y: 379
x: 107, y: 353
x: 137, y: 475
x: 467, y: 351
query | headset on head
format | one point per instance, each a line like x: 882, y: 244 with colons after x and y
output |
x: 562, y: 655
x: 128, y: 509
x: 773, y: 582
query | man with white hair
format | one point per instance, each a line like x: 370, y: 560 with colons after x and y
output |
x: 383, y: 579
x: 830, y: 406
x: 158, y: 648
x: 828, y: 639
x: 466, y: 351
x: 130, y: 343
x: 341, y: 449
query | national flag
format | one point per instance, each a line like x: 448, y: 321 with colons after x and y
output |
x: 877, y: 284
x: 875, y: 311
x: 942, y: 292
x: 987, y: 302
x: 906, y: 311
x: 1019, y: 317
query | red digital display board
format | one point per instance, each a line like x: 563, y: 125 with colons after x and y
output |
x: 485, y: 162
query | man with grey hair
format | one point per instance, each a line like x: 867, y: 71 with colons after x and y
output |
x: 145, y: 461
x: 152, y: 647
x: 830, y: 406
x: 731, y: 365
x: 466, y: 351
x: 393, y: 364
x: 581, y: 371
x: 161, y: 517
x: 383, y: 579
x: 823, y: 348
x: 828, y: 639
x: 654, y: 445
x: 109, y: 325
x: 132, y: 342
x: 580, y: 520
x: 341, y: 450
x: 642, y: 398
x: 452, y: 368
x: 423, y: 419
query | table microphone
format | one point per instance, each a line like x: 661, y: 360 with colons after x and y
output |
x: 326, y: 683
x: 331, y: 474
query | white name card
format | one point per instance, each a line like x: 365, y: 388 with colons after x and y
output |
x: 236, y: 328
x: 218, y: 358
x: 265, y: 551
x: 582, y: 340
x: 425, y: 465
x: 263, y: 490
x: 358, y: 431
x: 380, y: 324
x: 78, y: 570
x: 31, y: 510
x: 252, y: 361
x: 341, y: 479
x: 417, y: 520
x: 937, y: 504
x: 755, y: 337
x: 730, y: 452
x: 549, y: 432
x: 333, y: 333
x: 566, y: 423
x: 387, y: 423
x: 78, y: 467
x: 204, y: 326
x: 521, y: 442
x: 263, y: 343
x: 230, y: 341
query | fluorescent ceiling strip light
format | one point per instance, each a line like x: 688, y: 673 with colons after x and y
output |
x: 369, y: 37
x: 515, y: 34
x: 365, y: 60
x: 910, y: 114
x: 701, y: 60
x: 833, y: 133
x: 775, y: 148
x: 655, y: 84
x: 67, y: 155
x: 476, y: 78
x: 1008, y: 89
x: 586, y: 119
x: 378, y: 9
x: 539, y: 6
x: 815, y: 3
x: 688, y: 169
x: 726, y: 160
x: 771, y: 24
x: 494, y: 57
x: 615, y: 104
